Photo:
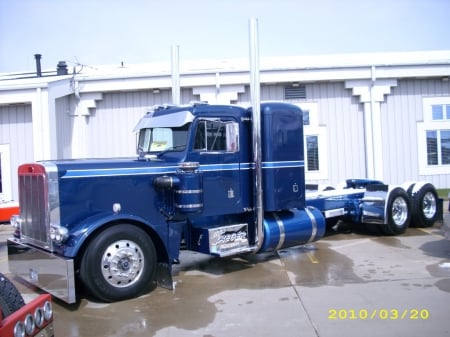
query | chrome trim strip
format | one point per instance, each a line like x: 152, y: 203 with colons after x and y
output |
x: 53, y: 195
x: 90, y: 173
x: 282, y: 231
x: 188, y: 205
x: 188, y: 191
x: 282, y: 164
x: 313, y: 223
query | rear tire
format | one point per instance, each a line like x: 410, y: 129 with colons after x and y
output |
x: 10, y: 298
x: 398, y: 213
x: 119, y: 263
x: 424, y: 207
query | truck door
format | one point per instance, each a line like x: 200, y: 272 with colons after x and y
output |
x: 215, y: 145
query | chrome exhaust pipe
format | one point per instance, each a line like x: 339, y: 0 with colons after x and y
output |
x: 256, y: 132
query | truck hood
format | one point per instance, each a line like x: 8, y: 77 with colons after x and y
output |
x: 112, y: 167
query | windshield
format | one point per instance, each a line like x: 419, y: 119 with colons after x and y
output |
x: 162, y: 139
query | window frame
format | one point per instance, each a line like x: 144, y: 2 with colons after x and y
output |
x: 147, y: 144
x: 429, y: 124
x: 231, y: 128
x: 315, y: 129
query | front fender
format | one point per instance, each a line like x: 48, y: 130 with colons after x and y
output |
x: 84, y: 229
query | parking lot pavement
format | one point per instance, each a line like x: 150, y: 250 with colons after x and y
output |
x: 351, y: 283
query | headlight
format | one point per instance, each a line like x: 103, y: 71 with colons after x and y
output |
x: 39, y: 317
x: 58, y: 233
x: 19, y: 329
x: 15, y: 221
x: 29, y: 324
x: 48, y: 310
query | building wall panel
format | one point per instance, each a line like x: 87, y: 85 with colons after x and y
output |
x: 400, y: 113
x: 65, y: 125
x: 111, y: 124
x: 342, y: 114
x: 17, y: 131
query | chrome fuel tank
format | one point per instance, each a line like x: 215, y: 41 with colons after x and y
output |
x: 292, y: 228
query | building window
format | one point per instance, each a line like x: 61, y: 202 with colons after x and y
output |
x: 312, y: 153
x: 315, y: 140
x: 438, y: 147
x: 434, y: 136
x: 306, y: 120
x: 440, y: 112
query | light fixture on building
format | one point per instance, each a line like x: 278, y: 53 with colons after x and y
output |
x: 156, y: 91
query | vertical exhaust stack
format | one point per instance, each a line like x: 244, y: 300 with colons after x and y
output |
x: 256, y: 130
x: 38, y: 57
x: 175, y: 76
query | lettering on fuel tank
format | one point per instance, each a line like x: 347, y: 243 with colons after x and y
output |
x: 295, y: 188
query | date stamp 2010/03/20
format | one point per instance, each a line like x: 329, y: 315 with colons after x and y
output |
x: 382, y: 314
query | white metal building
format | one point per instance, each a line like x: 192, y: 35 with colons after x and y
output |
x: 382, y: 116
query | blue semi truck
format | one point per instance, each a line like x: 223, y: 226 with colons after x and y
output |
x: 115, y: 227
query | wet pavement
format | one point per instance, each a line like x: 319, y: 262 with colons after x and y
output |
x: 353, y: 282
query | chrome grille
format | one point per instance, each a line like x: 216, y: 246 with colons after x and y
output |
x: 34, y: 205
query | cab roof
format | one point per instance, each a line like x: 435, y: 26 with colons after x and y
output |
x: 176, y: 116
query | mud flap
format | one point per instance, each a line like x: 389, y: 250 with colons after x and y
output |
x: 164, y: 276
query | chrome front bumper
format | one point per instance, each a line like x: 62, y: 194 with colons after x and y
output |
x: 49, y: 272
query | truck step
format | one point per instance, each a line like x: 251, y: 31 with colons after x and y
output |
x: 221, y: 241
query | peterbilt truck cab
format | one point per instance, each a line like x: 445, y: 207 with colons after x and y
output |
x: 115, y: 227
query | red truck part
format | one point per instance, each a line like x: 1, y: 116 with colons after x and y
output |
x: 18, y: 319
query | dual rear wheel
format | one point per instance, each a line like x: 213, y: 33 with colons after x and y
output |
x: 424, y: 205
x: 398, y: 213
x: 417, y: 207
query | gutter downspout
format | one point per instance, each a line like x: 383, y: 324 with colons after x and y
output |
x: 256, y: 132
x: 370, y: 169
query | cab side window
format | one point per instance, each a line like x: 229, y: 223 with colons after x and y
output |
x: 217, y: 136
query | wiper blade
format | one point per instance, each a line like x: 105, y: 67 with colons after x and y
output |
x: 170, y: 149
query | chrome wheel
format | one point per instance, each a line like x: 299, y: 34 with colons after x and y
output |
x: 424, y: 204
x: 429, y: 205
x: 122, y: 263
x: 398, y: 214
x: 119, y: 263
x: 399, y: 211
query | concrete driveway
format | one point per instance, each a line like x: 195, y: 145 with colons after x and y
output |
x: 353, y: 282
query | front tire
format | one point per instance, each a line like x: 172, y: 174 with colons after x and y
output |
x: 119, y: 263
x: 398, y: 213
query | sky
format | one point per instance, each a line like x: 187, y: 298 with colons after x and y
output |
x: 108, y: 32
